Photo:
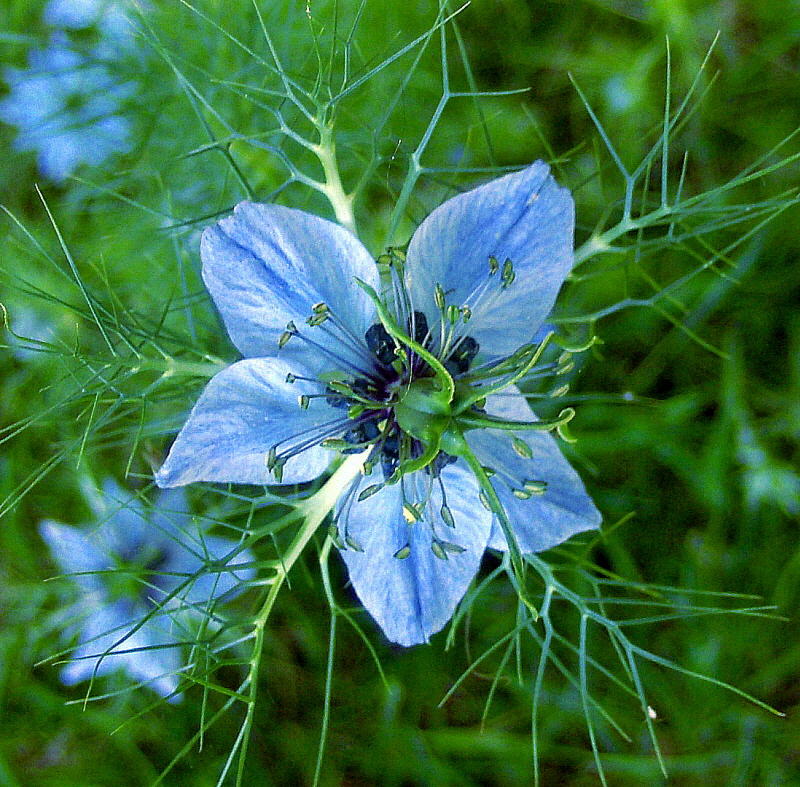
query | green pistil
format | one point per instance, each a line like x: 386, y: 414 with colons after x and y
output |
x: 456, y: 445
x: 484, y: 421
x: 441, y: 374
x: 480, y: 392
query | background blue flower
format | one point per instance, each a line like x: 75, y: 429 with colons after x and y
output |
x: 155, y: 552
x: 66, y: 108
x: 109, y: 16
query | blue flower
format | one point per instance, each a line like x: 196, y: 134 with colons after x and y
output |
x: 65, y: 107
x: 422, y: 377
x: 109, y: 16
x: 111, y: 19
x: 153, y: 556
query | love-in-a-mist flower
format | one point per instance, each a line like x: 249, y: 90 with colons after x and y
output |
x: 110, y: 17
x: 414, y: 360
x: 66, y: 108
x: 127, y: 565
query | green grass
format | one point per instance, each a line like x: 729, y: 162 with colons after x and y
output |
x: 687, y: 409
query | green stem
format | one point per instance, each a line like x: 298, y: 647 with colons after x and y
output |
x: 314, y: 510
x: 332, y: 188
x: 517, y: 565
x: 170, y: 366
x: 602, y: 243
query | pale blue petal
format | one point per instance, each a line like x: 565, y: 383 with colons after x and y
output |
x: 267, y: 265
x: 187, y: 548
x: 74, y: 14
x: 108, y: 15
x: 542, y: 521
x: 40, y: 103
x: 189, y: 556
x: 75, y: 551
x: 155, y: 657
x: 525, y: 217
x: 123, y: 526
x: 170, y: 518
x: 243, y: 412
x: 414, y: 598
x: 171, y: 508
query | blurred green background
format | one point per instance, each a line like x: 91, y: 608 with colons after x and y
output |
x: 705, y: 455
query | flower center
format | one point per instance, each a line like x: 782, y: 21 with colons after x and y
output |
x: 406, y: 390
x: 399, y: 409
x: 136, y: 570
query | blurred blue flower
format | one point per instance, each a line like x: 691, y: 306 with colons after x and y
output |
x: 111, y: 19
x: 65, y: 107
x: 108, y: 16
x: 134, y: 561
x: 325, y: 371
x: 28, y: 332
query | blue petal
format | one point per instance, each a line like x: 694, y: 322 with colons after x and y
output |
x: 412, y: 599
x: 188, y: 548
x: 267, y: 265
x: 123, y: 526
x: 74, y: 14
x: 154, y: 657
x: 41, y: 102
x: 243, y: 412
x: 190, y: 552
x: 108, y: 15
x: 525, y: 217
x: 75, y: 551
x: 542, y: 521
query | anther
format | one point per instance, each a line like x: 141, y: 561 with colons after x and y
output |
x: 303, y: 401
x: 508, y: 275
x: 291, y: 330
x: 438, y: 297
x: 521, y: 447
x: 410, y: 513
x: 341, y: 388
x: 565, y: 368
x: 333, y: 534
x: 353, y: 544
x: 494, y: 265
x: 403, y: 552
x: 335, y: 444
x: 277, y: 469
x: 355, y: 410
x: 447, y: 516
x: 535, y: 487
x: 370, y: 491
x: 449, y: 546
x: 438, y: 550
x: 317, y: 319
